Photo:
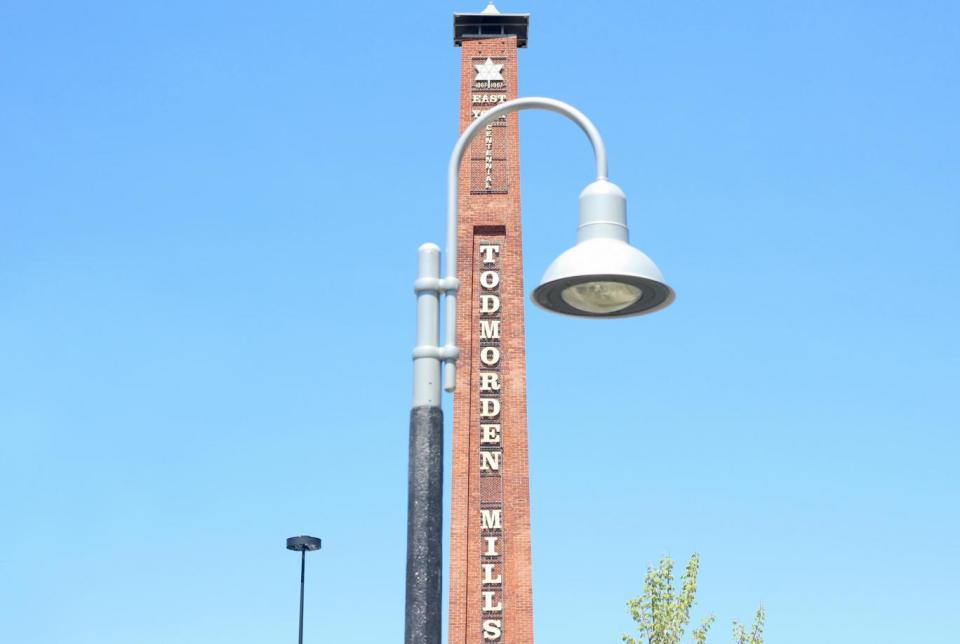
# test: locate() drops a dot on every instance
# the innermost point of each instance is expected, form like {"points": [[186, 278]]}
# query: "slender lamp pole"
{"points": [[302, 544]]}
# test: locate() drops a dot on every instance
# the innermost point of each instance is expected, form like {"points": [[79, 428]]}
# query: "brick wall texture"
{"points": [[490, 214]]}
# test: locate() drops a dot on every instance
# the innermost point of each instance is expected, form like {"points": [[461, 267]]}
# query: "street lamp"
{"points": [[302, 544], [601, 276]]}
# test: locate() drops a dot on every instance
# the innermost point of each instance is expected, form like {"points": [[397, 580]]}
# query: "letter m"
{"points": [[490, 519], [489, 329]]}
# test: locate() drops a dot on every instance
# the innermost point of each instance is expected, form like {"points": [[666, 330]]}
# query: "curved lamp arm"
{"points": [[449, 285]]}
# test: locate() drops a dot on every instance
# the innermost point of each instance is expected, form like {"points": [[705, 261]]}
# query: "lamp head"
{"points": [[603, 275], [303, 543]]}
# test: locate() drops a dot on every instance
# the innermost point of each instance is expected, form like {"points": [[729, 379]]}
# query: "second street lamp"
{"points": [[601, 276], [302, 544]]}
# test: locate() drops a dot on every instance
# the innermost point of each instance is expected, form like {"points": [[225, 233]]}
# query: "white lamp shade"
{"points": [[603, 277]]}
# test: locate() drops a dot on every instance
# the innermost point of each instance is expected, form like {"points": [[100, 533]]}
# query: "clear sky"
{"points": [[209, 215]]}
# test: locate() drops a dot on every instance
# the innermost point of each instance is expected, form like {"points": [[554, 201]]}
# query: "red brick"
{"points": [[488, 210]]}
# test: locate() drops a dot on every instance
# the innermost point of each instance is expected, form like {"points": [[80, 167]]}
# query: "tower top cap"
{"points": [[490, 23]]}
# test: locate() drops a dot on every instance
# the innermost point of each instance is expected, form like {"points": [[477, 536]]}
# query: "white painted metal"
{"points": [[453, 177], [426, 355], [603, 212]]}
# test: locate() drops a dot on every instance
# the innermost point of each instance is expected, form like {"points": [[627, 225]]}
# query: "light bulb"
{"points": [[601, 297]]}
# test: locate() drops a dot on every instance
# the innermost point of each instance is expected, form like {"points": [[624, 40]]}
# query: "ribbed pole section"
{"points": [[424, 523]]}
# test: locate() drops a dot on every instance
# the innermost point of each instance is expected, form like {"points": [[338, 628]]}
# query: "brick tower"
{"points": [[491, 596]]}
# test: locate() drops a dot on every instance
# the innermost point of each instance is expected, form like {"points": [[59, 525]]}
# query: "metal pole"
{"points": [[422, 624], [303, 567], [425, 491]]}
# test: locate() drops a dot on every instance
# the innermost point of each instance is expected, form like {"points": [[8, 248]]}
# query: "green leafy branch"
{"points": [[662, 612]]}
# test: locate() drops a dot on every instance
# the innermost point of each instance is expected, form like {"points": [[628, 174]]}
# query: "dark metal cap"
{"points": [[490, 23], [303, 542]]}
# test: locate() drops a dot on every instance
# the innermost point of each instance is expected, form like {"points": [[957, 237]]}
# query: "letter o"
{"points": [[489, 279], [490, 356]]}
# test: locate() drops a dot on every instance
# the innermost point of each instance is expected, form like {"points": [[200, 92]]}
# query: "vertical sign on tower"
{"points": [[488, 164], [491, 599]]}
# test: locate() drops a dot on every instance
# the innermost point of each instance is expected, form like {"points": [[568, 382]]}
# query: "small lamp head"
{"points": [[303, 542]]}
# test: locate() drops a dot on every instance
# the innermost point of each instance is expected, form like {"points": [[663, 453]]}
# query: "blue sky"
{"points": [[209, 215]]}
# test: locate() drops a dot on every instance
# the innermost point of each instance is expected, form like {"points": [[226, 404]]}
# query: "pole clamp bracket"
{"points": [[436, 285], [449, 353], [446, 353]]}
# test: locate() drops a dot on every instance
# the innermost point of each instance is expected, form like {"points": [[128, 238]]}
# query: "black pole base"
{"points": [[424, 527]]}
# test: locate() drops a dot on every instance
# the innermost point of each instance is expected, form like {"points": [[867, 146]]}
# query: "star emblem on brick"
{"points": [[489, 71]]}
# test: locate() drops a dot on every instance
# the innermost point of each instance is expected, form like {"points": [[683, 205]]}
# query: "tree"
{"points": [[740, 635], [662, 613]]}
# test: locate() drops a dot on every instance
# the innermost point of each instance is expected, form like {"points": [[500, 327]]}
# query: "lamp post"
{"points": [[302, 544], [601, 276]]}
